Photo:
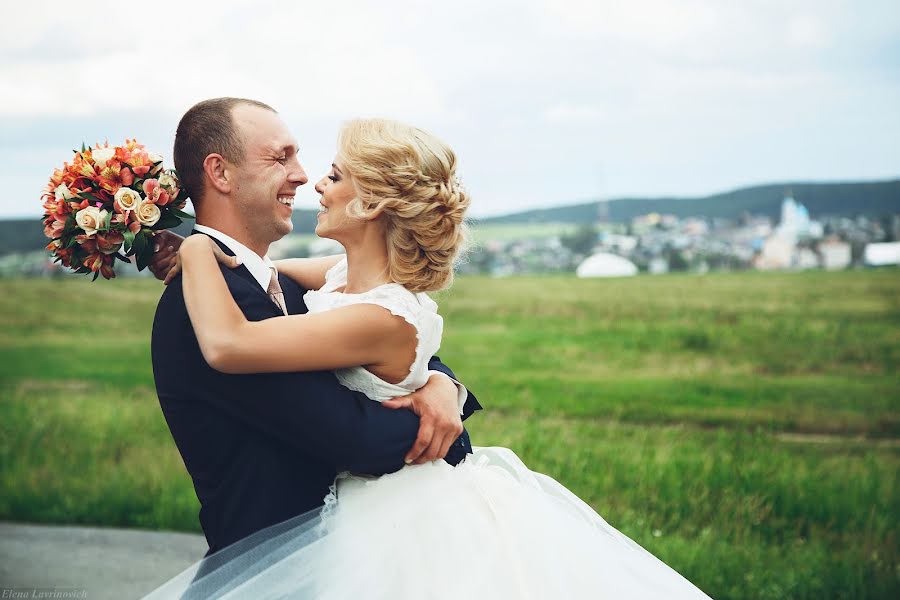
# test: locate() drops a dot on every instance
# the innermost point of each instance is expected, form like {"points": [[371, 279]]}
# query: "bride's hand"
{"points": [[199, 241]]}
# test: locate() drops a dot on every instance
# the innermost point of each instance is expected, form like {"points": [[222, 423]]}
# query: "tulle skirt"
{"points": [[489, 528]]}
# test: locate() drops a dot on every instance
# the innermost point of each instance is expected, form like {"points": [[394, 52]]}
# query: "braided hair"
{"points": [[407, 177]]}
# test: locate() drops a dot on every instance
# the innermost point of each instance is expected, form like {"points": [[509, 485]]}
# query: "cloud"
{"points": [[546, 101]]}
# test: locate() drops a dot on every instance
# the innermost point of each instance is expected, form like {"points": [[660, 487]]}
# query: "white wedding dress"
{"points": [[488, 529]]}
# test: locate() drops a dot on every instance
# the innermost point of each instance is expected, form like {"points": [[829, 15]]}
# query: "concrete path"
{"points": [[90, 562]]}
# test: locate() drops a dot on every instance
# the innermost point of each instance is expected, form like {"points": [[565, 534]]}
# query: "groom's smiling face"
{"points": [[268, 177]]}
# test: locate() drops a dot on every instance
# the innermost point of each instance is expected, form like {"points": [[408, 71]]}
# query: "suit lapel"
{"points": [[241, 270], [293, 295]]}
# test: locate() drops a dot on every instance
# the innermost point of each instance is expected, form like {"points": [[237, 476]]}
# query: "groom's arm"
{"points": [[311, 412], [441, 413], [315, 414]]}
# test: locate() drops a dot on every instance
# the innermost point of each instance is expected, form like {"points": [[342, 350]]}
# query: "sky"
{"points": [[546, 102]]}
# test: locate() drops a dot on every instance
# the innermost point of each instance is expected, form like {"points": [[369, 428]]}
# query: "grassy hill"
{"points": [[745, 428], [822, 199]]}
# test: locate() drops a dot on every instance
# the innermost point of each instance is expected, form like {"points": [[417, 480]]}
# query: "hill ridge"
{"points": [[840, 199], [847, 199]]}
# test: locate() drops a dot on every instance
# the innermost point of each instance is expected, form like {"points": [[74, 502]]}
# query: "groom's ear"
{"points": [[217, 173]]}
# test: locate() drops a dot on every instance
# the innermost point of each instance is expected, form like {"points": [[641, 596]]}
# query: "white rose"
{"points": [[63, 192], [91, 219], [102, 155], [167, 182], [147, 213], [127, 198]]}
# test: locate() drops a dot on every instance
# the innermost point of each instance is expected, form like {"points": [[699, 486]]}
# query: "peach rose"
{"points": [[91, 219], [128, 199], [63, 192], [147, 213]]}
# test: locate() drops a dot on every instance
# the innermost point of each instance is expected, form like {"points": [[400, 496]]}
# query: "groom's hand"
{"points": [[165, 251], [437, 404]]}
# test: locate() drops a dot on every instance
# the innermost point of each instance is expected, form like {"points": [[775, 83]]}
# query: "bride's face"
{"points": [[337, 191]]}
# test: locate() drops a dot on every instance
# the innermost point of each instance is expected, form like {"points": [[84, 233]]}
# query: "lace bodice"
{"points": [[418, 310]]}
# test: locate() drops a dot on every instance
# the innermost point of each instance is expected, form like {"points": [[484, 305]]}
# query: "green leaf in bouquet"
{"points": [[118, 256], [166, 221], [108, 220], [140, 243], [70, 225], [129, 241], [181, 214], [96, 275], [87, 196], [144, 258]]}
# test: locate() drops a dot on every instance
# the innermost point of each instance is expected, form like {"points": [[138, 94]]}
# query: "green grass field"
{"points": [[745, 428]]}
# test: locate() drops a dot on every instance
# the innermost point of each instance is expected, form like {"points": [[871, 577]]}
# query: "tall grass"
{"points": [[744, 428]]}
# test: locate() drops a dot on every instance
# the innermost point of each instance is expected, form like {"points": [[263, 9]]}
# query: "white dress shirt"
{"points": [[261, 269], [259, 266]]}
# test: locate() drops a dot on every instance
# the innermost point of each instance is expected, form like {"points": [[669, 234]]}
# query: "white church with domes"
{"points": [[795, 220], [780, 250]]}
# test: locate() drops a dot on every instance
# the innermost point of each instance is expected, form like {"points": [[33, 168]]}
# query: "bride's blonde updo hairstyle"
{"points": [[407, 177]]}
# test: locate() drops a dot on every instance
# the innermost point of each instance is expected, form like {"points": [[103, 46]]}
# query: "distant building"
{"points": [[604, 264], [653, 220], [780, 250], [805, 258], [623, 244], [884, 254], [795, 220], [835, 254], [695, 227], [777, 252]]}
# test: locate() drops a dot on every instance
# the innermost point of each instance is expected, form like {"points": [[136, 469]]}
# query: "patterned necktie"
{"points": [[275, 292]]}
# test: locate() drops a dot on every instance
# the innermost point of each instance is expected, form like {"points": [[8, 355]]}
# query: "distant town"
{"points": [[652, 243], [661, 243]]}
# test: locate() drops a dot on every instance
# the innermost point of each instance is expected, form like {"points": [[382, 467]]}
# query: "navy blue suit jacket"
{"points": [[262, 448]]}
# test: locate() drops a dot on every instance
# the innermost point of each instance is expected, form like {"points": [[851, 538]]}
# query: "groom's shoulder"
{"points": [[170, 310], [236, 285], [246, 294]]}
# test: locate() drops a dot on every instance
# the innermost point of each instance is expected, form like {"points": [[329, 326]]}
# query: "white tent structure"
{"points": [[879, 255], [604, 264]]}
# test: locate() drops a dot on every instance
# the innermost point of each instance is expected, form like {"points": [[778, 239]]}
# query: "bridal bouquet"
{"points": [[110, 199]]}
